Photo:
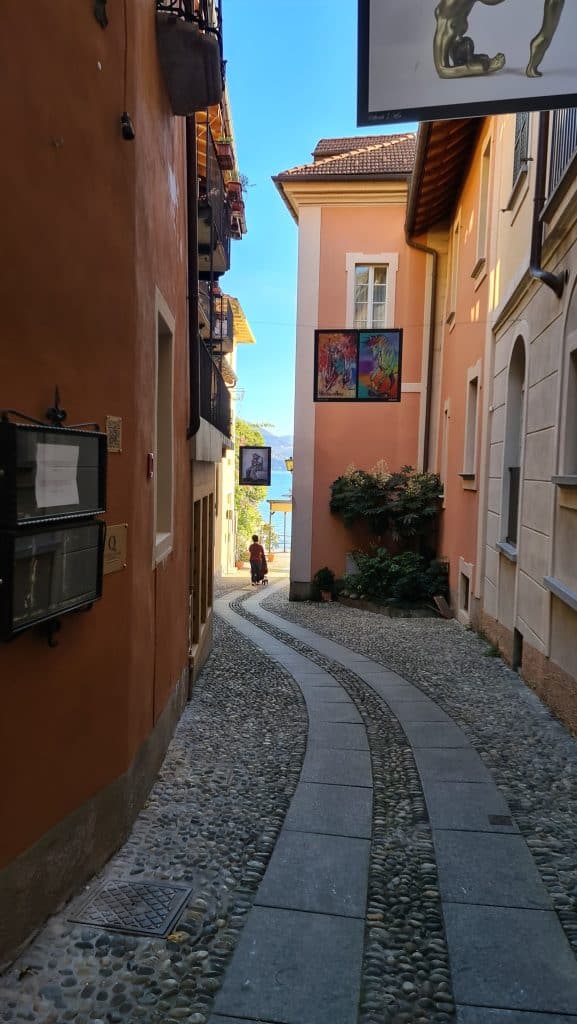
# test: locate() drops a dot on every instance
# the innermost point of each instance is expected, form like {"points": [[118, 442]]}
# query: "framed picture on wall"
{"points": [[379, 376], [358, 366], [254, 466], [336, 356]]}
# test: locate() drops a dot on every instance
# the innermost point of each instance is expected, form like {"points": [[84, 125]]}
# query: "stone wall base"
{"points": [[49, 873], [551, 683], [300, 591]]}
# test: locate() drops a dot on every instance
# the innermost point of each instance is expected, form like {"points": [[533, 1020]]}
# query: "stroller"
{"points": [[262, 574]]}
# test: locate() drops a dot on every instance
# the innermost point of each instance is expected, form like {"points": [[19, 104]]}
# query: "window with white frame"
{"points": [[521, 149], [471, 421], [164, 432], [371, 290], [483, 210], [570, 453], [370, 296], [454, 276]]}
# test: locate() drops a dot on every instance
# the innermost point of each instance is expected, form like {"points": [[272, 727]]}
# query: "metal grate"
{"points": [[137, 908]]}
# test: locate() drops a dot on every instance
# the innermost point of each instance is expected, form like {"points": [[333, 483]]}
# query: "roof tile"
{"points": [[369, 155]]}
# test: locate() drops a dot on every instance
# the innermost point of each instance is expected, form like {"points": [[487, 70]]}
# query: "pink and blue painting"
{"points": [[335, 366], [379, 377]]}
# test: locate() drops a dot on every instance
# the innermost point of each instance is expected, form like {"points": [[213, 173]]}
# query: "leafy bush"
{"points": [[396, 579], [405, 503]]}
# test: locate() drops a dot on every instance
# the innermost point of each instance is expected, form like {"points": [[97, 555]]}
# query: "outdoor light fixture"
{"points": [[289, 463], [52, 485]]}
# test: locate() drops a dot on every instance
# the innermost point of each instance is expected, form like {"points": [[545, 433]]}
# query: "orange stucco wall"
{"points": [[78, 296], [364, 433], [463, 348]]}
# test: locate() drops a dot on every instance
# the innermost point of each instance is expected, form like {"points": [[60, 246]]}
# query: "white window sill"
{"points": [[479, 267], [569, 480], [509, 550], [560, 590], [162, 546]]}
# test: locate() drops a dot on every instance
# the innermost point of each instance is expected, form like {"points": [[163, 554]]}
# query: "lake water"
{"points": [[280, 487]]}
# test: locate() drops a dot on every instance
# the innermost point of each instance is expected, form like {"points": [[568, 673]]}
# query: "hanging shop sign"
{"points": [[464, 58], [254, 465], [358, 366]]}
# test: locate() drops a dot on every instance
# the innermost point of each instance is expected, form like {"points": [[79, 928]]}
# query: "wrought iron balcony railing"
{"points": [[215, 400], [563, 144], [214, 216], [218, 316], [205, 13]]}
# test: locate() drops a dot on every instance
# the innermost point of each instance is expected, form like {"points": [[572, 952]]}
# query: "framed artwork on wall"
{"points": [[254, 466], [358, 366]]}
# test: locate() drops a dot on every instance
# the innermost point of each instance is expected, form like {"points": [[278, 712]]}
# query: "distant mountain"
{"points": [[282, 447]]}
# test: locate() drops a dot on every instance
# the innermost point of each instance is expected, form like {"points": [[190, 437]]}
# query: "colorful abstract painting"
{"points": [[379, 373], [336, 365]]}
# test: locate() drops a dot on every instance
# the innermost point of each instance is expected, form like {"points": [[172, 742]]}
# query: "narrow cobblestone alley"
{"points": [[376, 821]]}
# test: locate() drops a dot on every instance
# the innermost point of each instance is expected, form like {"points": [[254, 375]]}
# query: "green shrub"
{"points": [[396, 579], [405, 503]]}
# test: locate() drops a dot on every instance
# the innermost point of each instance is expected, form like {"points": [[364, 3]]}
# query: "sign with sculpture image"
{"points": [[424, 60], [358, 366]]}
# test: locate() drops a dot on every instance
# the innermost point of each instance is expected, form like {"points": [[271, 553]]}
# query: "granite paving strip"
{"points": [[299, 957], [505, 956]]}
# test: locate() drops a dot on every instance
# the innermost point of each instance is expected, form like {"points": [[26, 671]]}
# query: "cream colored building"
{"points": [[530, 573]]}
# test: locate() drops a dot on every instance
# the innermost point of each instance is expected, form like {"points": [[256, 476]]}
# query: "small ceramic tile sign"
{"points": [[115, 547], [114, 433]]}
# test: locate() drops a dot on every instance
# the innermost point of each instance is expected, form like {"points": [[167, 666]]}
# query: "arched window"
{"points": [[513, 443]]}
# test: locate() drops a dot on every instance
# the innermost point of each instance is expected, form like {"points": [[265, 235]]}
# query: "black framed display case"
{"points": [[48, 571], [49, 473]]}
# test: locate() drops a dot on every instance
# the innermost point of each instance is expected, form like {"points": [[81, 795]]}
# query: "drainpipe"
{"points": [[556, 282], [431, 342], [192, 233]]}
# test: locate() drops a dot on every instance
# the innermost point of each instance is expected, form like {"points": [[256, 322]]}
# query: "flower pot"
{"points": [[239, 563], [270, 557], [225, 156]]}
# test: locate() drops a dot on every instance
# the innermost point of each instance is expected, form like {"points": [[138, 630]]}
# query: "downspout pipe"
{"points": [[192, 234], [556, 282]]}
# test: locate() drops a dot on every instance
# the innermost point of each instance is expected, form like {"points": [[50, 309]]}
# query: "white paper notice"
{"points": [[56, 475]]}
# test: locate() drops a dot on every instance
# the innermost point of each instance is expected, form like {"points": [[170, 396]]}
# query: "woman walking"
{"points": [[257, 557]]}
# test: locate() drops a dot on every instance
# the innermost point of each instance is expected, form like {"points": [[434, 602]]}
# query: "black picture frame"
{"points": [[254, 465], [19, 448], [355, 386], [436, 112]]}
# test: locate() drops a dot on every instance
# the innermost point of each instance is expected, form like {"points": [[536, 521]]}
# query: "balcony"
{"points": [[215, 400], [189, 41], [563, 146], [213, 217], [216, 319]]}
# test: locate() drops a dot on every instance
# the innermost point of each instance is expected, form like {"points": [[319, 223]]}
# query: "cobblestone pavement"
{"points": [[214, 816], [532, 757], [211, 822]]}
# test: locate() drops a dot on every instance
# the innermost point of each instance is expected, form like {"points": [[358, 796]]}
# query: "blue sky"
{"points": [[291, 72]]}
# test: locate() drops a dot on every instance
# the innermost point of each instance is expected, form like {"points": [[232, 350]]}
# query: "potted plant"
{"points": [[324, 581], [225, 154]]}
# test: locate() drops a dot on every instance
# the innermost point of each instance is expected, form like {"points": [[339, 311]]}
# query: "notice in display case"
{"points": [[47, 473]]}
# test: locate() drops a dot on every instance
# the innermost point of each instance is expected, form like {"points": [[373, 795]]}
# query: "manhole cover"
{"points": [[500, 819], [138, 908]]}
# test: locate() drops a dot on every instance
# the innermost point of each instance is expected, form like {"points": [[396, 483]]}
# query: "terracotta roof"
{"points": [[331, 147], [372, 156]]}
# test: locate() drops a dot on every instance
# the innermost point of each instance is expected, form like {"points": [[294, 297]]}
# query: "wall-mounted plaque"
{"points": [[115, 548], [47, 473], [48, 571]]}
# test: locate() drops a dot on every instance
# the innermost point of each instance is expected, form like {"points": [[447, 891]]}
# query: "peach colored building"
{"points": [[450, 212], [350, 205]]}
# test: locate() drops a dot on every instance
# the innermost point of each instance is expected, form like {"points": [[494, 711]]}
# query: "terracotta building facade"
{"points": [[105, 242]]}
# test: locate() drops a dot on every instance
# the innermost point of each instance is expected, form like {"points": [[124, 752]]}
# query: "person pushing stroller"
{"points": [[258, 566]]}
